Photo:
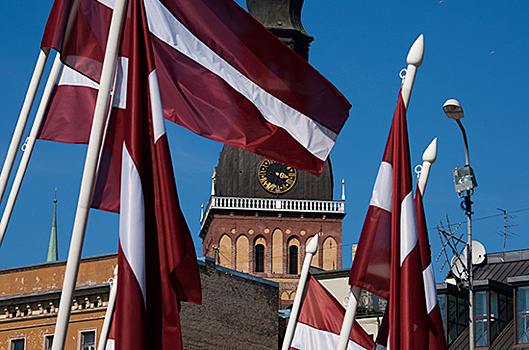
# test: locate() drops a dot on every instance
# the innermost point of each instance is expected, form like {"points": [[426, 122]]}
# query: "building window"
{"points": [[493, 313], [259, 258], [48, 342], [481, 318], [523, 314], [293, 260], [88, 340], [457, 317], [441, 300], [500, 313], [17, 344], [454, 313]]}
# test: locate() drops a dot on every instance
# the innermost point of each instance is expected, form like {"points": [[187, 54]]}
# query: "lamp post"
{"points": [[464, 182]]}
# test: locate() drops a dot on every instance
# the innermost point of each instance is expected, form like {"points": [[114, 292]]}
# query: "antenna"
{"points": [[458, 262], [506, 226], [449, 239]]}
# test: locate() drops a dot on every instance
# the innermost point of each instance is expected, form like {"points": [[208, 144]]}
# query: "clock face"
{"points": [[275, 177]]}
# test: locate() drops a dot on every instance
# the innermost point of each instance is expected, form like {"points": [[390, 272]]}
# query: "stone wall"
{"points": [[238, 311]]}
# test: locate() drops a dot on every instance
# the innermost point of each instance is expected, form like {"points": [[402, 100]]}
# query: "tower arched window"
{"points": [[293, 260], [259, 258]]}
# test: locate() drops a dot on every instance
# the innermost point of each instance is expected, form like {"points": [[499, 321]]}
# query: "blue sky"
{"points": [[476, 52]]}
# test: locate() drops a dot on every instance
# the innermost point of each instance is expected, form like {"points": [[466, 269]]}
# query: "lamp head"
{"points": [[453, 109]]}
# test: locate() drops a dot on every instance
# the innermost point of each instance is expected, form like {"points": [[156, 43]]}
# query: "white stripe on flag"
{"points": [[429, 288], [132, 219], [408, 227], [309, 338], [316, 138], [120, 92], [71, 77], [108, 3], [110, 344], [383, 189], [156, 106]]}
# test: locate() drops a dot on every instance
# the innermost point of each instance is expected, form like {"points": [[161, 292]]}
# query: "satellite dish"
{"points": [[478, 253], [458, 264]]}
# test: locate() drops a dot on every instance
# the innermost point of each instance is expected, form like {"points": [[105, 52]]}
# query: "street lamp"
{"points": [[464, 182]]}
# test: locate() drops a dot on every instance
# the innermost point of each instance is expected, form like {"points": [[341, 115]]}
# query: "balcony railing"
{"points": [[272, 204]]}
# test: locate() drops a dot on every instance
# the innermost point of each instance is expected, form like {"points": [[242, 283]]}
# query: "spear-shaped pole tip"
{"points": [[430, 154], [312, 247], [416, 53]]}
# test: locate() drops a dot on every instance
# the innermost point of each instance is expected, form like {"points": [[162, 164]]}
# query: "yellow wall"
{"points": [[277, 251], [242, 258], [225, 251]]}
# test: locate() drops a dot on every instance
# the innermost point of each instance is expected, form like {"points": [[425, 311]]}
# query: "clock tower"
{"points": [[261, 213]]}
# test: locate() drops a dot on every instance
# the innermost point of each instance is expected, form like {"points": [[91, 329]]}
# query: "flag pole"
{"points": [[312, 248], [414, 60], [349, 317], [428, 158], [89, 174], [22, 120], [22, 167], [105, 330]]}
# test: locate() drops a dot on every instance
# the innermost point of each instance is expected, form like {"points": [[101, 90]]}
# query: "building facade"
{"points": [[261, 215], [238, 311], [29, 301], [501, 299]]}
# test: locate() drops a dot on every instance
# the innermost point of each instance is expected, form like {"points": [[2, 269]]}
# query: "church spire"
{"points": [[53, 252]]}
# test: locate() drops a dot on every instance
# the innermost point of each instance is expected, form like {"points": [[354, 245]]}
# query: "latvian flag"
{"points": [[388, 258], [320, 321], [222, 75], [157, 265]]}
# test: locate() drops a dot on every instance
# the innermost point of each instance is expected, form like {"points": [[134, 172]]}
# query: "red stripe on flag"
{"points": [[129, 308], [372, 265], [180, 258], [412, 308], [72, 108]]}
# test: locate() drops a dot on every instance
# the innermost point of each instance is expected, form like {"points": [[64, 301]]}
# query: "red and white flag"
{"points": [[320, 321], [222, 75], [388, 258], [157, 265], [436, 337], [78, 29]]}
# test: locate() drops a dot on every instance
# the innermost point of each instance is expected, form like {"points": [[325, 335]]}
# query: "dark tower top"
{"points": [[237, 175], [283, 18]]}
